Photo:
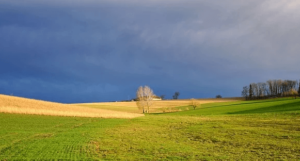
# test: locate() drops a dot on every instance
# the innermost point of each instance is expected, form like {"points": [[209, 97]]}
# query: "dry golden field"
{"points": [[158, 106], [11, 104]]}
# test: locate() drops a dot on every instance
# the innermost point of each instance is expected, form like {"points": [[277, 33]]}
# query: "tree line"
{"points": [[271, 88]]}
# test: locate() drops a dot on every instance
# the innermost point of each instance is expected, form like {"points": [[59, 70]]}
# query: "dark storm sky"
{"points": [[103, 50]]}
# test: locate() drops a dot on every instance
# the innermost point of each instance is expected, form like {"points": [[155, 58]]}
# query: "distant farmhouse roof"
{"points": [[154, 98]]}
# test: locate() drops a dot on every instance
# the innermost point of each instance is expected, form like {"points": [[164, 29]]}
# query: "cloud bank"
{"points": [[82, 51]]}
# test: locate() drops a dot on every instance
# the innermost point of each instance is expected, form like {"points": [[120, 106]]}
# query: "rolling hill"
{"points": [[12, 104]]}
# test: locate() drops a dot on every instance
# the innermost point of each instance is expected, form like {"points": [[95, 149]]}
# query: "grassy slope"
{"points": [[12, 104], [249, 130], [205, 138], [130, 109], [244, 107]]}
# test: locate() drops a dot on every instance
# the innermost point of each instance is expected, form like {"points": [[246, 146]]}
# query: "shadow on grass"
{"points": [[294, 106]]}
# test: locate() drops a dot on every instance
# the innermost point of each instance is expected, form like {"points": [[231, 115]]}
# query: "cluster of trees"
{"points": [[271, 88]]}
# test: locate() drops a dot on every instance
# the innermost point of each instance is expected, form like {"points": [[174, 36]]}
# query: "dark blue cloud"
{"points": [[72, 51]]}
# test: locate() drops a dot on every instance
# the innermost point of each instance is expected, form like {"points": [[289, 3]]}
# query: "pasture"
{"points": [[27, 137], [243, 130]]}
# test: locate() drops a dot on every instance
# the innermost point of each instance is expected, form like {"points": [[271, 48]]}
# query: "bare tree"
{"points": [[245, 92], [194, 103], [279, 88], [276, 87], [144, 97], [265, 89], [255, 89], [149, 97], [299, 88], [162, 97], [175, 96], [291, 84], [284, 88], [260, 89], [140, 101], [294, 93], [271, 87], [250, 91]]}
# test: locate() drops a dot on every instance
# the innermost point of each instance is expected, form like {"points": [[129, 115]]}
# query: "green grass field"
{"points": [[243, 107], [244, 130]]}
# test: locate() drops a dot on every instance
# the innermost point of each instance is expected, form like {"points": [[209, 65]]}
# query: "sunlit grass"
{"points": [[243, 107], [203, 138], [157, 107], [245, 130], [10, 104], [27, 137]]}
